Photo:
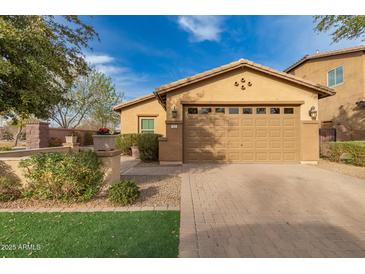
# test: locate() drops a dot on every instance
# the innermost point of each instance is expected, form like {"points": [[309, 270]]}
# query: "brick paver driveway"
{"points": [[253, 210]]}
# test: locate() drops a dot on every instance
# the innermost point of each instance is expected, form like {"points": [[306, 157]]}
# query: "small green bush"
{"points": [[9, 189], [124, 193], [7, 135], [353, 150], [88, 139], [54, 142], [78, 135], [124, 142], [5, 148], [66, 176], [148, 146]]}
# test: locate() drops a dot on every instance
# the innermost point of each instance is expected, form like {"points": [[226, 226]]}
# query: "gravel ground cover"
{"points": [[156, 191], [350, 170]]}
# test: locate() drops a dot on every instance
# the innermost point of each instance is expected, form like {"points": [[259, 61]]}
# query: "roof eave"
{"points": [[119, 107], [325, 91]]}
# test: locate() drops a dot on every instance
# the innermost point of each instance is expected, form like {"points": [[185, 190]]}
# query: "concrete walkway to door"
{"points": [[265, 210]]}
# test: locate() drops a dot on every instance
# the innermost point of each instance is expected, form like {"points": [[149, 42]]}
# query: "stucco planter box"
{"points": [[71, 139], [104, 142]]}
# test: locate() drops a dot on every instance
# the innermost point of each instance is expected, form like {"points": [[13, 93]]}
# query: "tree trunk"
{"points": [[18, 134]]}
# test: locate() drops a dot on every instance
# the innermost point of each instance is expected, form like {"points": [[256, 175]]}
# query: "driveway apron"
{"points": [[266, 210]]}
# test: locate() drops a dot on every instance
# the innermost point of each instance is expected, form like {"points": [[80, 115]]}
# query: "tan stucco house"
{"points": [[344, 71], [239, 112]]}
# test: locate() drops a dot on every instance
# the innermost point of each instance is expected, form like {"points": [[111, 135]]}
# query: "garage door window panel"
{"points": [[220, 110], [233, 111], [192, 110], [205, 110], [260, 110], [247, 110], [274, 110], [288, 110]]}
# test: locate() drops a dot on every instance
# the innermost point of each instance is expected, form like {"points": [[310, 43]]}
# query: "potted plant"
{"points": [[104, 140], [71, 139]]}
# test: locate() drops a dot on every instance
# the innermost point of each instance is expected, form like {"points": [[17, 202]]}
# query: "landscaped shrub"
{"points": [[54, 142], [148, 146], [9, 189], [352, 152], [5, 148], [7, 135], [66, 176], [88, 139], [124, 192], [124, 142], [78, 135]]}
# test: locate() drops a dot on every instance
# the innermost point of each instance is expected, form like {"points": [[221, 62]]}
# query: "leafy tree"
{"points": [[40, 56], [107, 97], [91, 97], [343, 26]]}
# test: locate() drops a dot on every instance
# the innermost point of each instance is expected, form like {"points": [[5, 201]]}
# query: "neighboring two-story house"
{"points": [[344, 71]]}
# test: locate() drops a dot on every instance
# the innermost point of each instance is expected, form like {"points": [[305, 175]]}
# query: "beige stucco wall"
{"points": [[340, 108], [264, 88], [130, 116]]}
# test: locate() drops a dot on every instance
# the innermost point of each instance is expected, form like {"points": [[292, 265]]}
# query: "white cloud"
{"points": [[109, 69], [103, 63], [94, 59], [202, 28], [126, 80]]}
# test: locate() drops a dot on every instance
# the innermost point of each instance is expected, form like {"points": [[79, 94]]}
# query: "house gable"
{"points": [[161, 92], [242, 85]]}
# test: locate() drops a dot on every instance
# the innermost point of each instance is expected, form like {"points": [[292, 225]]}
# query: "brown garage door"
{"points": [[241, 133]]}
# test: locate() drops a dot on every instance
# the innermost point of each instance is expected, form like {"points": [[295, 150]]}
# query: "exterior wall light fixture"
{"points": [[174, 113], [313, 113]]}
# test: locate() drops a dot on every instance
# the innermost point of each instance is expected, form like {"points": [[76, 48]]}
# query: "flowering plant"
{"points": [[103, 131]]}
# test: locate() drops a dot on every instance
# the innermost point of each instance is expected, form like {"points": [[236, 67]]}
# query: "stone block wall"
{"points": [[38, 134]]}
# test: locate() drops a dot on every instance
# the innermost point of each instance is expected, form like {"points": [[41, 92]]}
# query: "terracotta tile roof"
{"points": [[323, 90], [325, 54], [134, 101]]}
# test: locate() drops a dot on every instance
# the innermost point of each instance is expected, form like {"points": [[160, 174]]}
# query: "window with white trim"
{"points": [[147, 125], [335, 77]]}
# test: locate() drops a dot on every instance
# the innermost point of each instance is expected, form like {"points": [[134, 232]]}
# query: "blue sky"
{"points": [[144, 52]]}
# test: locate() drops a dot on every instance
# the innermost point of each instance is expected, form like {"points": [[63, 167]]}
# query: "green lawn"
{"points": [[98, 234]]}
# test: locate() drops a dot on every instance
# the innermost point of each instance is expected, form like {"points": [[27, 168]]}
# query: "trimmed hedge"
{"points": [[9, 189], [66, 176], [352, 152], [124, 193], [88, 139], [147, 144], [55, 142], [5, 148], [124, 142]]}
